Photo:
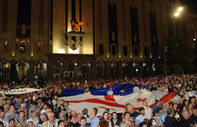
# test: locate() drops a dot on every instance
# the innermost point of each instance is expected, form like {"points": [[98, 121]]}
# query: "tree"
{"points": [[180, 55]]}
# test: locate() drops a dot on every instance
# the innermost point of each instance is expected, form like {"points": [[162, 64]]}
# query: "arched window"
{"points": [[145, 51], [101, 49], [125, 50], [113, 50], [136, 51]]}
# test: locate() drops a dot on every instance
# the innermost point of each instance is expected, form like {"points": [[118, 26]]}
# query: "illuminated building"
{"points": [[121, 37]]}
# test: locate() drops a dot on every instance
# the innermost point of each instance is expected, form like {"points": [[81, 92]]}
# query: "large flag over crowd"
{"points": [[123, 94]]}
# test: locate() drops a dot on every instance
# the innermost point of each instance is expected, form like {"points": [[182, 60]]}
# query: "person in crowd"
{"points": [[161, 117], [114, 121], [152, 123], [12, 114], [106, 117], [33, 118], [3, 119], [61, 123], [66, 105], [184, 122], [45, 106], [193, 117], [30, 124], [21, 121], [127, 122], [12, 123], [83, 122], [170, 121], [55, 102], [43, 118], [94, 120], [19, 102], [140, 118], [156, 106], [35, 108], [51, 122], [148, 110], [6, 109], [129, 108], [85, 114], [143, 124], [110, 92], [75, 118], [103, 123]]}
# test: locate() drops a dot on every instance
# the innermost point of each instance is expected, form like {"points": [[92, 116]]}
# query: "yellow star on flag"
{"points": [[122, 91]]}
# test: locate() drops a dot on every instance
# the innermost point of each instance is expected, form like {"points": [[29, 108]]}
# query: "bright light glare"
{"points": [[180, 9], [176, 14]]}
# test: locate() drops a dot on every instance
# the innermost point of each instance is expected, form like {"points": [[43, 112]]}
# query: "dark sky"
{"points": [[191, 5]]}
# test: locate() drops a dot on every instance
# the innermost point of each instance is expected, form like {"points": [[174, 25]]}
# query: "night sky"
{"points": [[191, 5]]}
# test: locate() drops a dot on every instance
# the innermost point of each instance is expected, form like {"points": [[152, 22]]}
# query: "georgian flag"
{"points": [[117, 103]]}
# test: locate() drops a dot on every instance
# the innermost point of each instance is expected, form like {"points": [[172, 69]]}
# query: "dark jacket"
{"points": [[170, 122], [184, 123]]}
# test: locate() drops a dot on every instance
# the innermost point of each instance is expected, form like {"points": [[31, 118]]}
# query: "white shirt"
{"points": [[5, 122], [148, 112], [35, 121]]}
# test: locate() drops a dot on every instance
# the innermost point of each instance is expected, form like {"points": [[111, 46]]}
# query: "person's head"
{"points": [[152, 122], [21, 114], [103, 123], [106, 115], [51, 116], [185, 114], [43, 118], [9, 101], [12, 112], [142, 111], [166, 106], [23, 106], [145, 103], [12, 107], [129, 107], [194, 111], [60, 123], [181, 100], [94, 111], [127, 116], [185, 102], [45, 106], [11, 123], [2, 114], [48, 110], [106, 110], [160, 109], [83, 121], [73, 113], [35, 104], [114, 115], [61, 101], [55, 97], [30, 124], [85, 111], [66, 104], [110, 89], [143, 124], [6, 107], [170, 112], [32, 114], [20, 100]]}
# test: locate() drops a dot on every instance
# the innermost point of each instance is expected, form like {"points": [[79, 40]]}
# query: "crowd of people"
{"points": [[45, 109]]}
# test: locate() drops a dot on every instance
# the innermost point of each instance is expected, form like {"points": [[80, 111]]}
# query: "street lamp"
{"points": [[178, 11]]}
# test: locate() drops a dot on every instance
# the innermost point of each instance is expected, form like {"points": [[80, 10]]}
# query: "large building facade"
{"points": [[118, 38]]}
